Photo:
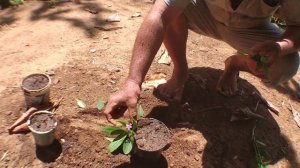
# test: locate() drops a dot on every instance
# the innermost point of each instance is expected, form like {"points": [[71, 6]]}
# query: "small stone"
{"points": [[112, 82], [55, 81], [50, 73], [197, 158], [157, 127], [118, 70], [62, 140], [140, 143], [92, 50], [171, 165]]}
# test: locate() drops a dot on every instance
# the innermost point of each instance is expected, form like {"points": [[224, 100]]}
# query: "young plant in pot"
{"points": [[146, 138]]}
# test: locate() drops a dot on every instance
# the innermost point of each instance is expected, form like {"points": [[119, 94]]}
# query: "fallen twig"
{"points": [[268, 104], [257, 104], [55, 106], [4, 155], [247, 112]]}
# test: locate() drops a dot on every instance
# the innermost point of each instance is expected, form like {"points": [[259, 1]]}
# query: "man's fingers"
{"points": [[112, 121], [132, 112], [107, 112]]}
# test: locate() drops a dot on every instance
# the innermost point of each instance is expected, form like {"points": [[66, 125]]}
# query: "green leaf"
{"points": [[109, 129], [110, 139], [263, 59], [140, 111], [123, 123], [134, 125], [100, 104], [256, 58], [119, 132], [127, 146], [115, 144], [266, 70], [81, 103], [16, 2]]}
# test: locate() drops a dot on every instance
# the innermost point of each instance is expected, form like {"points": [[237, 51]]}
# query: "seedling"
{"points": [[261, 154], [261, 62], [124, 134]]}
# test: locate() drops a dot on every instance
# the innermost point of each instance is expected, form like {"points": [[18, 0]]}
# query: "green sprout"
{"points": [[16, 2], [124, 134], [261, 154], [261, 63]]}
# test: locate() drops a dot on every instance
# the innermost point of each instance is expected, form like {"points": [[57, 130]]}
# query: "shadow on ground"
{"points": [[228, 143], [49, 153], [46, 11], [139, 162], [291, 88]]}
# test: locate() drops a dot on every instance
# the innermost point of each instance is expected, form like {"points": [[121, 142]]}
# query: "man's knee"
{"points": [[284, 68]]}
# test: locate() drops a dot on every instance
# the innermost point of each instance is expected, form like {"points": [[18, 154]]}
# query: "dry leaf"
{"points": [[272, 107], [81, 103], [296, 115], [153, 83], [164, 59], [114, 18], [136, 14]]}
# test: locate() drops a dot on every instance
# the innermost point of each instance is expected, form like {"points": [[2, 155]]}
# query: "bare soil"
{"points": [[88, 59], [152, 135], [35, 82], [42, 122]]}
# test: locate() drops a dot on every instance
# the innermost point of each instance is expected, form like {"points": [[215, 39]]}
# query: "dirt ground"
{"points": [[88, 58]]}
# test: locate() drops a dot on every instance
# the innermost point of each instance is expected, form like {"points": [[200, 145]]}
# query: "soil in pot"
{"points": [[43, 122], [35, 82], [152, 135]]}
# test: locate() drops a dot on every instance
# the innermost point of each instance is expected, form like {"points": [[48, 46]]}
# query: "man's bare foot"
{"points": [[227, 84], [172, 90]]}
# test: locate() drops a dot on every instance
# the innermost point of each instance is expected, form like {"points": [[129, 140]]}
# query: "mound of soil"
{"points": [[35, 82], [42, 122], [152, 135]]}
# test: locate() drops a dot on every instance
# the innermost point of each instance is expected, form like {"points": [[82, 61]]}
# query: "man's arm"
{"points": [[147, 43], [290, 41], [149, 39]]}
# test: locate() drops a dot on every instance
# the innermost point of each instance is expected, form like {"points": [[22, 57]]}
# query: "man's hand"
{"points": [[125, 99], [269, 49]]}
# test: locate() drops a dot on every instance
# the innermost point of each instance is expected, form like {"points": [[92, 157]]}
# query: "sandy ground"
{"points": [[89, 58]]}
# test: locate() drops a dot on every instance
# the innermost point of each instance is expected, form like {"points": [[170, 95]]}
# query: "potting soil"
{"points": [[152, 135], [35, 82], [42, 122]]}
